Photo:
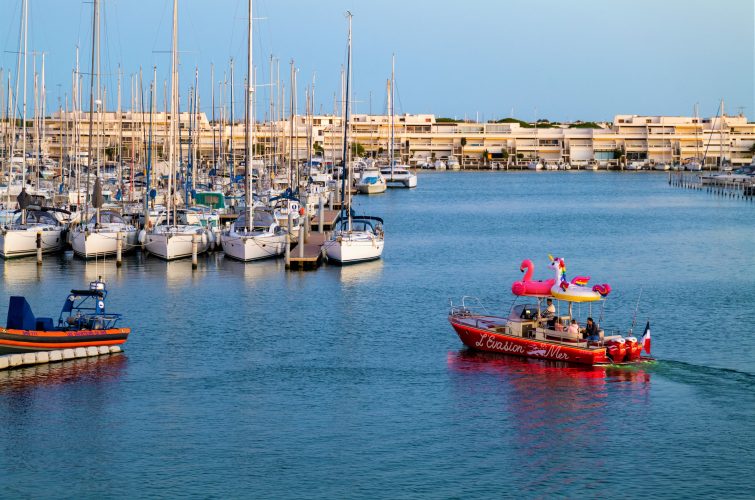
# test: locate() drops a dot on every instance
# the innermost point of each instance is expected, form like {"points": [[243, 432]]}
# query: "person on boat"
{"points": [[573, 328], [550, 309], [592, 332], [555, 324]]}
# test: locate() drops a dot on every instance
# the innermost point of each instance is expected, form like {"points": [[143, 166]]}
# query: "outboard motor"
{"points": [[633, 348], [616, 349]]}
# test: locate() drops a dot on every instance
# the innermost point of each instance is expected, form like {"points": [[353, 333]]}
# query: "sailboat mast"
{"points": [[23, 125], [173, 110], [212, 105], [249, 128], [291, 131], [393, 109], [231, 151], [346, 129], [95, 22]]}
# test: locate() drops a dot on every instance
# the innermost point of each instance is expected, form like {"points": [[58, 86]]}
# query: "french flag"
{"points": [[646, 338]]}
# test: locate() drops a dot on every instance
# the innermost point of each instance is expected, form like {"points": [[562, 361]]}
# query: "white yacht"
{"points": [[99, 239], [372, 181], [535, 165], [356, 239], [19, 238], [453, 163], [399, 176], [263, 240], [170, 240], [693, 166]]}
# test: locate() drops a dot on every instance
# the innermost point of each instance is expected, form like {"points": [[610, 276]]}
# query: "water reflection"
{"points": [[93, 370], [361, 273], [251, 271], [21, 271], [554, 414]]}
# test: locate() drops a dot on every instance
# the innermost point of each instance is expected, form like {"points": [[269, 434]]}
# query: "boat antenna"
{"points": [[636, 308]]}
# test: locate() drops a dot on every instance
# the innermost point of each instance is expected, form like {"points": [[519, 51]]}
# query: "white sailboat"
{"points": [[355, 239], [20, 237], [172, 237], [99, 236], [254, 235]]}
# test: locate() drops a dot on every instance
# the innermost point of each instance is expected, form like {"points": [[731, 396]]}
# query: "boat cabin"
{"points": [[363, 223]]}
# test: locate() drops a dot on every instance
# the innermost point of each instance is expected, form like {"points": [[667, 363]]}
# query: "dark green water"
{"points": [[249, 381]]}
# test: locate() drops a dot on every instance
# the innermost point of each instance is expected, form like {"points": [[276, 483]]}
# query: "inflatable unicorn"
{"points": [[575, 290], [529, 287]]}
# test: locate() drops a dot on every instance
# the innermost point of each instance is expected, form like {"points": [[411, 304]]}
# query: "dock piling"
{"points": [[194, 249], [39, 248], [300, 244], [119, 249], [320, 215]]}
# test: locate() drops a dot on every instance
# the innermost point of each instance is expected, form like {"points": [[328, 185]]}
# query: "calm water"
{"points": [[245, 380]]}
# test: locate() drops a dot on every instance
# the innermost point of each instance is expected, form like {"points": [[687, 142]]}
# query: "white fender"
{"points": [[142, 236]]}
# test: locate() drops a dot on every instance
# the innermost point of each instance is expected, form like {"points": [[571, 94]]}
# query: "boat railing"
{"points": [[101, 321], [469, 306]]}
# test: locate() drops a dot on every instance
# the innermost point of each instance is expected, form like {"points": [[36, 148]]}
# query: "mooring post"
{"points": [[119, 249], [320, 215], [39, 248], [302, 233], [194, 249], [288, 239]]}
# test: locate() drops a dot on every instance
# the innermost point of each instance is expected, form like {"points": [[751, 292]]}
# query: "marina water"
{"points": [[247, 380]]}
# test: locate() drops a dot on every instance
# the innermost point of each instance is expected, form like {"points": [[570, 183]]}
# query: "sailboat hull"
{"points": [[249, 248], [175, 245], [353, 248], [89, 245], [23, 242]]}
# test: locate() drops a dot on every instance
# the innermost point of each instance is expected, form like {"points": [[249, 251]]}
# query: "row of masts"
{"points": [[140, 149]]}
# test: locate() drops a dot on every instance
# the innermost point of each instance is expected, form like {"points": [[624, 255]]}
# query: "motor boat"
{"points": [[399, 176], [371, 181], [531, 330], [83, 322]]}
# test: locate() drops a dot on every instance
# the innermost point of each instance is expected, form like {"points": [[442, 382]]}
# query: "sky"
{"points": [[478, 59]]}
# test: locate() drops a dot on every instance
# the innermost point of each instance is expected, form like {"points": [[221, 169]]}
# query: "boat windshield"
{"points": [[37, 217], [524, 311], [262, 220], [359, 224], [108, 218], [168, 220]]}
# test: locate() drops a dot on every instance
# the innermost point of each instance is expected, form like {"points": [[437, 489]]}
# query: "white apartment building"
{"points": [[667, 139]]}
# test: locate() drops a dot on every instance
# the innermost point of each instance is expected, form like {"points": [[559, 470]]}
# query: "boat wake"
{"points": [[711, 377]]}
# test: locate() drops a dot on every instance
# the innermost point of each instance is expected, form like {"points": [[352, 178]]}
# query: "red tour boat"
{"points": [[532, 331], [82, 323]]}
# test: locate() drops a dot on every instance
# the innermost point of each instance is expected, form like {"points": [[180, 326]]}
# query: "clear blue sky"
{"points": [[580, 59]]}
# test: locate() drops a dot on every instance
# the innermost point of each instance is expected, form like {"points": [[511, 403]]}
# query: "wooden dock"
{"points": [[312, 255], [328, 219]]}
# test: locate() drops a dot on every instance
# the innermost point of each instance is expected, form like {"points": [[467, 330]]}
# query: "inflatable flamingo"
{"points": [[576, 290], [529, 287]]}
